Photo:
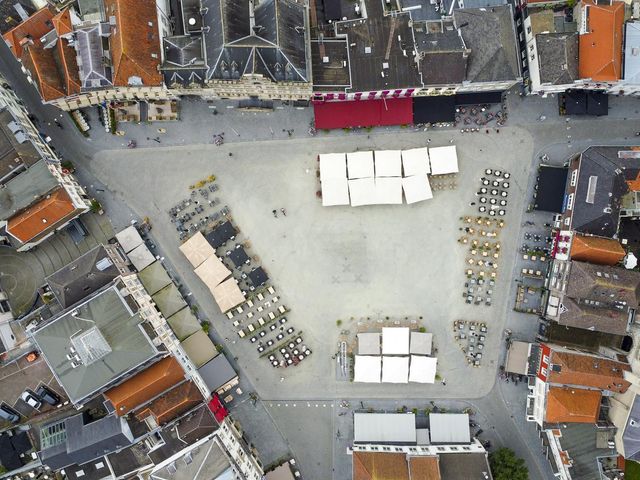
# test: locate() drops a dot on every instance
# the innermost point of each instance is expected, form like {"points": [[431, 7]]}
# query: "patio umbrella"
{"points": [[630, 261]]}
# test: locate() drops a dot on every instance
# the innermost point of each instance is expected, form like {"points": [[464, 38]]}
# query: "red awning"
{"points": [[363, 113], [218, 410]]}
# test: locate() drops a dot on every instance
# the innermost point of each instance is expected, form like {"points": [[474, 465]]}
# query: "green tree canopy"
{"points": [[506, 466]]}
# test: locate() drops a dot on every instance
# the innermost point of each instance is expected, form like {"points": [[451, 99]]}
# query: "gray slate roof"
{"points": [[85, 440], [604, 284], [596, 318], [557, 57], [443, 55], [602, 215], [109, 314], [83, 276], [490, 35], [25, 189], [579, 439], [94, 72], [470, 466], [632, 52], [217, 372]]}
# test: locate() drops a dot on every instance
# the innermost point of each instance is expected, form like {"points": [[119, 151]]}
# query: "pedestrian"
{"points": [[275, 213], [472, 204], [284, 212], [428, 140]]}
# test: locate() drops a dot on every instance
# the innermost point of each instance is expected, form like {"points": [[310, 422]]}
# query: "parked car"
{"points": [[9, 414], [47, 395], [30, 399]]}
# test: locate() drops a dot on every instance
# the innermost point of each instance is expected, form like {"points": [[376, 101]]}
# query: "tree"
{"points": [[506, 466]]}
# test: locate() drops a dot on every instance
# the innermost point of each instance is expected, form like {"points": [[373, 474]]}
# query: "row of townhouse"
{"points": [[583, 372], [114, 331], [38, 197]]}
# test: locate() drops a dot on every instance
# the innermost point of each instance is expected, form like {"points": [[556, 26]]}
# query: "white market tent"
{"points": [[335, 191], [228, 295], [423, 369], [443, 160], [197, 249], [212, 272], [362, 192], [388, 190], [415, 161], [129, 238], [360, 165], [333, 166], [421, 343], [388, 163], [369, 343], [389, 428], [367, 369], [417, 188], [141, 257], [395, 369], [449, 428], [395, 340]]}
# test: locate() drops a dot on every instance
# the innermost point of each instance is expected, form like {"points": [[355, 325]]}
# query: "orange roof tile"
{"points": [[569, 368], [380, 466], [71, 73], [42, 217], [600, 54], [145, 385], [34, 27], [394, 466], [603, 251], [135, 44], [175, 402], [62, 22], [574, 405], [54, 69]]}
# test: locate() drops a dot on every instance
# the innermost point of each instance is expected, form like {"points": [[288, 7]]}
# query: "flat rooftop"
{"points": [[104, 339], [25, 189]]}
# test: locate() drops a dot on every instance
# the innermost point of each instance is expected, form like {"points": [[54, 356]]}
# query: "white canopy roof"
{"points": [[212, 272], [395, 341], [197, 249], [367, 369], [449, 428], [335, 191], [393, 428], [417, 188], [369, 343], [421, 343], [423, 369], [443, 160], [333, 166], [389, 190], [395, 369], [129, 238], [228, 295], [360, 164], [362, 192], [388, 163], [415, 161], [141, 257]]}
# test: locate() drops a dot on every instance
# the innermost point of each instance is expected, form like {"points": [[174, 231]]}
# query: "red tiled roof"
{"points": [[600, 53], [62, 22], [44, 216], [569, 368], [145, 385], [175, 402], [603, 251], [575, 405], [34, 27], [135, 42], [54, 69]]}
